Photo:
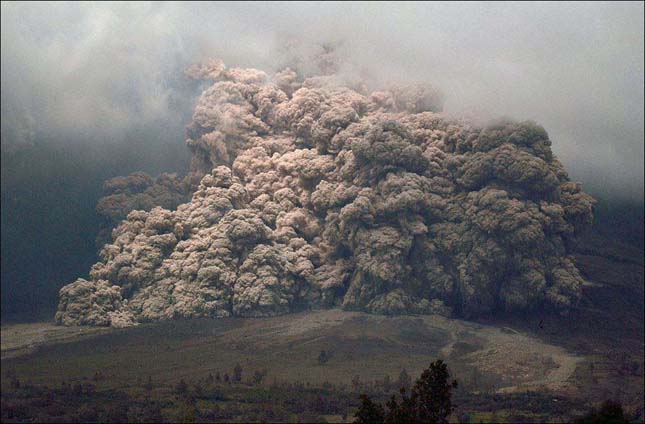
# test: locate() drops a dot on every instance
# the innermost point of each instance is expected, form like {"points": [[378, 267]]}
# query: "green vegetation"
{"points": [[430, 401], [203, 400], [209, 400]]}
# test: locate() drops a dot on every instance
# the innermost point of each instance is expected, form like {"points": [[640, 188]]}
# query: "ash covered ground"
{"points": [[311, 191]]}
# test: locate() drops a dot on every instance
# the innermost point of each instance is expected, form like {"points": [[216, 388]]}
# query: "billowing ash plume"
{"points": [[316, 195], [138, 191]]}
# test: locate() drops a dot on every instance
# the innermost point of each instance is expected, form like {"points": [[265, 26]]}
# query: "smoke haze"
{"points": [[94, 72]]}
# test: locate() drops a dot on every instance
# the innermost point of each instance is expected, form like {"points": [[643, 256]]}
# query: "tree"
{"points": [[87, 413], [611, 412], [324, 357], [258, 376], [116, 413], [399, 413], [181, 387], [369, 412], [210, 379], [77, 390], [198, 389], [432, 394], [185, 414], [404, 379], [387, 384], [237, 373], [89, 389], [465, 418], [430, 400], [65, 387], [15, 383], [356, 382]]}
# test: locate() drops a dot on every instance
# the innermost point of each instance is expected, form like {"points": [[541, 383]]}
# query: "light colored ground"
{"points": [[21, 339]]}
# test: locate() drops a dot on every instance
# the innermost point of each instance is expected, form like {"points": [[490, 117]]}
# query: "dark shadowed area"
{"points": [[49, 219]]}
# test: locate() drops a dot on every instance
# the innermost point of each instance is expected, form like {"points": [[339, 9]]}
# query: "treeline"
{"points": [[253, 396], [430, 401], [235, 396]]}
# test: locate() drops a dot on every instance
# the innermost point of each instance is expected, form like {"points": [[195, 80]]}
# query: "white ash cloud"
{"points": [[316, 195], [91, 71]]}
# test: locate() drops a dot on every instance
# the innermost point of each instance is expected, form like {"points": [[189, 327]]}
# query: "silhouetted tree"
{"points": [[356, 382], [146, 414], [77, 390], [430, 400], [214, 413], [65, 387], [89, 389], [369, 412], [237, 373], [198, 389], [87, 413], [181, 387], [258, 376], [387, 384], [432, 394], [404, 379], [465, 418], [323, 357], [402, 412], [115, 413], [611, 412], [185, 414]]}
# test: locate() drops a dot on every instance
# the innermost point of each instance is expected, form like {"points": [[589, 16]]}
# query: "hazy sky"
{"points": [[91, 72]]}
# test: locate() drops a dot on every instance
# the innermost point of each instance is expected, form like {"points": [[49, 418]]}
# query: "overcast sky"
{"points": [[91, 72]]}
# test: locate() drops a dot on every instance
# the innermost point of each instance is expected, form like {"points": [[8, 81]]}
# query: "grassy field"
{"points": [[508, 367], [367, 346], [494, 365]]}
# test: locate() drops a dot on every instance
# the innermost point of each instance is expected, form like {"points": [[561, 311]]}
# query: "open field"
{"points": [[506, 365], [288, 346], [489, 362]]}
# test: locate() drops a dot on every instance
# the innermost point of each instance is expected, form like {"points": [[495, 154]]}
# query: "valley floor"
{"points": [[508, 367]]}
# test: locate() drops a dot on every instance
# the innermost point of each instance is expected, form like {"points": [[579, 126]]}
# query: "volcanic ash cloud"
{"points": [[312, 194]]}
